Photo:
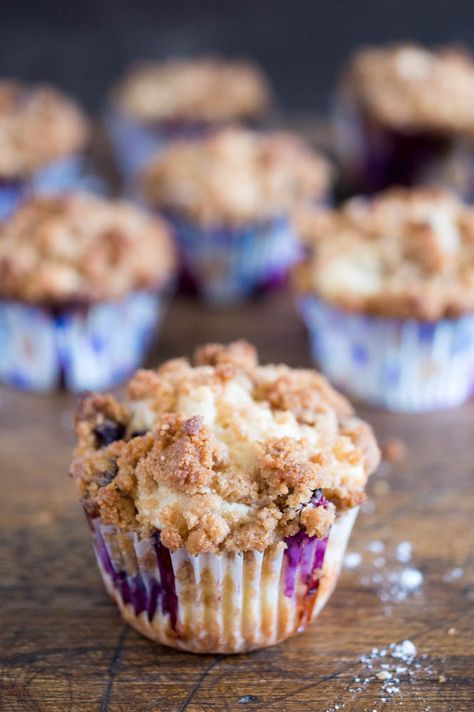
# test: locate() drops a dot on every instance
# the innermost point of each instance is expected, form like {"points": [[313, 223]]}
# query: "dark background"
{"points": [[84, 45]]}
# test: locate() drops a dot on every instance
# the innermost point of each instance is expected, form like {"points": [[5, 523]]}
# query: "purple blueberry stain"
{"points": [[138, 433], [132, 588], [107, 476], [108, 432], [306, 553], [168, 597]]}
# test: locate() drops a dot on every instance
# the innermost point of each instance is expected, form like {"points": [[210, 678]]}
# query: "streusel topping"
{"points": [[202, 89], [411, 88], [225, 455], [236, 176], [38, 125], [405, 253], [81, 248]]}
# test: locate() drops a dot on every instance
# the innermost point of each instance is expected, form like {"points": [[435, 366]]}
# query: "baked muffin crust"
{"points": [[225, 455], [405, 253], [409, 87], [38, 125], [81, 248], [236, 176], [203, 89]]}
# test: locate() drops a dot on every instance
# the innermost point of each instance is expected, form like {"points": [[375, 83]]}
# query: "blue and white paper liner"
{"points": [[135, 142], [91, 347], [229, 264], [220, 603], [57, 177], [401, 365]]}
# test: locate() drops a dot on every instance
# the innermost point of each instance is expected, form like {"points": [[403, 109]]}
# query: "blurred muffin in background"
{"points": [[42, 133], [229, 197], [82, 285], [387, 293], [404, 115], [157, 102], [221, 496]]}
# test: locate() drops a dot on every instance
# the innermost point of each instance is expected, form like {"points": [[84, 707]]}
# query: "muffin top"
{"points": [[38, 125], [202, 89], [409, 88], [235, 176], [80, 248], [224, 455], [404, 253]]}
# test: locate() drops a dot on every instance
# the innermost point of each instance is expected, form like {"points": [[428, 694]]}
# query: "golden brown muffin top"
{"points": [[410, 87], [405, 253], [79, 247], [222, 455], [236, 176], [208, 89], [38, 125]]}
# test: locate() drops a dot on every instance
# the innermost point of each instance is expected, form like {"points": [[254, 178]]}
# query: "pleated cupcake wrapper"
{"points": [[57, 177], [229, 264], [375, 157], [402, 365], [134, 143], [89, 347], [220, 603]]}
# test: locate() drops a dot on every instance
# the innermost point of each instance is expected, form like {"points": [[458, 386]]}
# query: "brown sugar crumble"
{"points": [[200, 89], [410, 87], [79, 247], [38, 125], [222, 455], [236, 176], [405, 253]]}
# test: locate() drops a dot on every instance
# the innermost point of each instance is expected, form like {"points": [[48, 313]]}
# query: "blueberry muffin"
{"points": [[387, 292], [230, 197], [158, 102], [221, 496], [82, 285], [42, 133], [405, 115]]}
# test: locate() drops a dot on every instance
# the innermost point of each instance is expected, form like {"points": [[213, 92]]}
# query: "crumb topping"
{"points": [[410, 87], [202, 89], [81, 248], [404, 253], [236, 176], [225, 455], [38, 125]]}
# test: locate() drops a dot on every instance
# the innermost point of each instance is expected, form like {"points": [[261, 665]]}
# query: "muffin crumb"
{"points": [[393, 450]]}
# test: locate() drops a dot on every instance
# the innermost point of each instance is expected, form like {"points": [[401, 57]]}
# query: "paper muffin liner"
{"points": [[57, 177], [135, 142], [228, 264], [79, 347], [374, 157], [402, 365], [226, 603]]}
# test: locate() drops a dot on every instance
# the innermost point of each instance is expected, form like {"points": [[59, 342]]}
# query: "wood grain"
{"points": [[64, 647]]}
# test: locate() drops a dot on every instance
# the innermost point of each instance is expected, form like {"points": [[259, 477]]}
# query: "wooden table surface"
{"points": [[64, 647]]}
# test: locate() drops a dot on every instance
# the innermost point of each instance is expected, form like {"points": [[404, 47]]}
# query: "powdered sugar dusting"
{"points": [[382, 568], [352, 560], [454, 574], [403, 552], [390, 670]]}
